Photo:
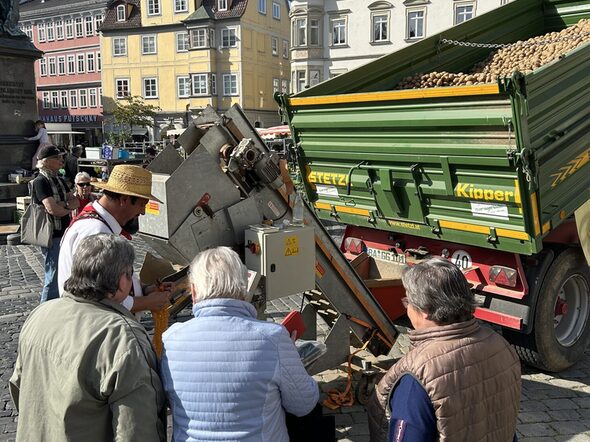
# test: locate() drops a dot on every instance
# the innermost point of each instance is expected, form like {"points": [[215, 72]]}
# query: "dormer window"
{"points": [[121, 13], [222, 5]]}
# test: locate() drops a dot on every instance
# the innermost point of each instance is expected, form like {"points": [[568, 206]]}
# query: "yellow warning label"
{"points": [[291, 246], [152, 207]]}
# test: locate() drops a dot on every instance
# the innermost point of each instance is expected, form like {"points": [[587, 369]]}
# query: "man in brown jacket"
{"points": [[459, 381]]}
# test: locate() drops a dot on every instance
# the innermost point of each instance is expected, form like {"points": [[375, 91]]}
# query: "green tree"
{"points": [[133, 111]]}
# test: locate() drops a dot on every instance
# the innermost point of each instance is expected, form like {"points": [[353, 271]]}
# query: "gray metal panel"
{"points": [[167, 161], [165, 249], [199, 174], [155, 220], [214, 140], [213, 232], [242, 215]]}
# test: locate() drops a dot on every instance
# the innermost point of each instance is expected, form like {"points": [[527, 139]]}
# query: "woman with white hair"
{"points": [[227, 375], [83, 191]]}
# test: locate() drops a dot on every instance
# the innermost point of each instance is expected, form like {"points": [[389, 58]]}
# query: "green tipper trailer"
{"points": [[454, 170]]}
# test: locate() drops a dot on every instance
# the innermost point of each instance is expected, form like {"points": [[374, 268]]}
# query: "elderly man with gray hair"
{"points": [[459, 381], [85, 368], [227, 375]]}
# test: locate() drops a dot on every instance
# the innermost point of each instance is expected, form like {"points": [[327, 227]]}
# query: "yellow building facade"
{"points": [[186, 54]]}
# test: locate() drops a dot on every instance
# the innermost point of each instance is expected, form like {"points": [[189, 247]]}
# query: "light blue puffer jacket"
{"points": [[229, 377]]}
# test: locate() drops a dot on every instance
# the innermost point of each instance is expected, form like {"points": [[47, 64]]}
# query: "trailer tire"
{"points": [[558, 341]]}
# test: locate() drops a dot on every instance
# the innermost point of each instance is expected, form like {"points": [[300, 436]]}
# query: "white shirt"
{"points": [[76, 233]]}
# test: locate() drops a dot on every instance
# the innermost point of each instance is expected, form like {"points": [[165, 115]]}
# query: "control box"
{"points": [[285, 258]]}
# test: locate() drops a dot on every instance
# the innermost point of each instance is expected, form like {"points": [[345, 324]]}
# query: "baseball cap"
{"points": [[49, 151]]}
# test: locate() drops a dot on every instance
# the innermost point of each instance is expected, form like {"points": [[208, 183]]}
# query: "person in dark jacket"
{"points": [[459, 381], [52, 192]]}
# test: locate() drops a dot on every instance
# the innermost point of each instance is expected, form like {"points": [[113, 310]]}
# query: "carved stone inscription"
{"points": [[15, 92]]}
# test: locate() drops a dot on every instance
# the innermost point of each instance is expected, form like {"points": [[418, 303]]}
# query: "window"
{"points": [[90, 62], [79, 27], [50, 32], [74, 98], [97, 23], [122, 86], [338, 31], [228, 38], [41, 34], [286, 49], [463, 13], [300, 32], [213, 84], [222, 5], [200, 84], [89, 26], [98, 62], [46, 100], [150, 87], [183, 86], [80, 58], [262, 6], [276, 11], [314, 32], [71, 64], [276, 84], [93, 102], [274, 44], [43, 67], [148, 44], [284, 86], [83, 98], [99, 97], [153, 7], [230, 84], [61, 65], [59, 29], [63, 99], [69, 28], [299, 79], [380, 28], [28, 30], [180, 5], [119, 46], [314, 77], [504, 2], [54, 99], [415, 26], [199, 38], [52, 66], [182, 41], [121, 15]]}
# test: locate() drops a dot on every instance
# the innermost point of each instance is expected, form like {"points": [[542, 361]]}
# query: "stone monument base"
{"points": [[18, 103]]}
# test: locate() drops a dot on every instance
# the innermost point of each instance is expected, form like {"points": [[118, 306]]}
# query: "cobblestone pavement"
{"points": [[553, 407]]}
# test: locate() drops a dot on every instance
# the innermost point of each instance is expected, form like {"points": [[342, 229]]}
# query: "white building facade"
{"points": [[330, 37]]}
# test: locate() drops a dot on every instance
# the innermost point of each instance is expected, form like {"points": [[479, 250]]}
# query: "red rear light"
{"points": [[354, 245], [501, 275]]}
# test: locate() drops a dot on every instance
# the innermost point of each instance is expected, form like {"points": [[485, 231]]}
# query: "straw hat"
{"points": [[129, 180]]}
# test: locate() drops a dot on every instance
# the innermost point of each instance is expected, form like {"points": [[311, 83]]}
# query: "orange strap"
{"points": [[337, 399]]}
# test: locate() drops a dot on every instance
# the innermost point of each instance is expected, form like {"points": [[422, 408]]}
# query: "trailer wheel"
{"points": [[561, 331]]}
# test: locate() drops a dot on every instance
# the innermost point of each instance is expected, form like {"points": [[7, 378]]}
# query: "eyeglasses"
{"points": [[405, 302], [83, 184]]}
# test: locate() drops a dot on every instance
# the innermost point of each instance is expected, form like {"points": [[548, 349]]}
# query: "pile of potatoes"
{"points": [[523, 56]]}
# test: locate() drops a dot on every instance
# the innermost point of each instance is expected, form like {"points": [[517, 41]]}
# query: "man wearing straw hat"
{"points": [[124, 198]]}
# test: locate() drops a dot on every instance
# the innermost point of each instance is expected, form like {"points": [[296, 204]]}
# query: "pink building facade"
{"points": [[68, 76]]}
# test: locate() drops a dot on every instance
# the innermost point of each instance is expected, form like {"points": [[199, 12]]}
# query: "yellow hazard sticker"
{"points": [[291, 246], [152, 207]]}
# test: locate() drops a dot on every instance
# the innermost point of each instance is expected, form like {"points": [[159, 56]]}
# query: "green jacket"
{"points": [[86, 371]]}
